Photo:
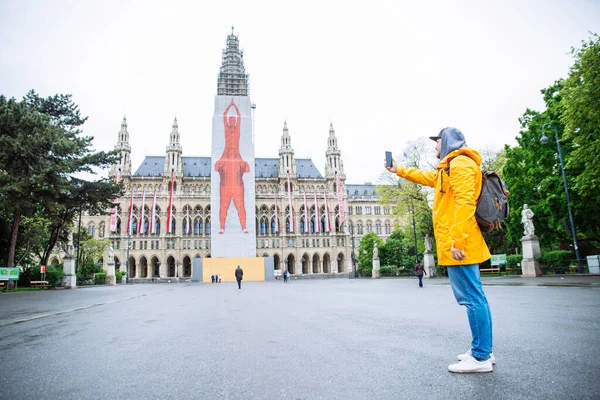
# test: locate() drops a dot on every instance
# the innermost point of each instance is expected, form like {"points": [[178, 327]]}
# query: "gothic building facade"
{"points": [[318, 241]]}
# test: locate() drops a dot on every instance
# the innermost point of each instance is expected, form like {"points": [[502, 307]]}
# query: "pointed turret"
{"points": [[287, 162], [123, 166], [174, 150], [233, 80], [333, 156]]}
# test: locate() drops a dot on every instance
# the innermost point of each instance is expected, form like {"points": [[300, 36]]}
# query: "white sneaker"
{"points": [[464, 356], [471, 365]]}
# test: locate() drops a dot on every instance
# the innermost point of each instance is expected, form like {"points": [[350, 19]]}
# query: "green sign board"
{"points": [[9, 274], [498, 259]]}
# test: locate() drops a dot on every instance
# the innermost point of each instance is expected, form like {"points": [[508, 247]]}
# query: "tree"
{"points": [[41, 151], [581, 119], [407, 199], [395, 250], [533, 175], [91, 251], [365, 252]]}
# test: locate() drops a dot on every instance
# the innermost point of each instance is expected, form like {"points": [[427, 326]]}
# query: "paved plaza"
{"points": [[310, 339]]}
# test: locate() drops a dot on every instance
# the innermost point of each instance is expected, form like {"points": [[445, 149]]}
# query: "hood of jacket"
{"points": [[463, 151], [452, 139]]}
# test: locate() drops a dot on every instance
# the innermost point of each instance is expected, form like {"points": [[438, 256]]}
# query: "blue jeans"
{"points": [[468, 291]]}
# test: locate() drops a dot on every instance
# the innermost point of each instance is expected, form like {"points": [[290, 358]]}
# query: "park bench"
{"points": [[1, 284], [39, 284], [492, 270]]}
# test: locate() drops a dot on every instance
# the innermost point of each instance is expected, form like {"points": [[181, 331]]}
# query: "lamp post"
{"points": [[414, 231], [127, 259], [545, 140], [353, 255]]}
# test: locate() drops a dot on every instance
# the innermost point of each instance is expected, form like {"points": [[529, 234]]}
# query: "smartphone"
{"points": [[388, 158]]}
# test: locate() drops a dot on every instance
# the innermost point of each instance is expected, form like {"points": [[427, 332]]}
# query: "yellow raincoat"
{"points": [[454, 201]]}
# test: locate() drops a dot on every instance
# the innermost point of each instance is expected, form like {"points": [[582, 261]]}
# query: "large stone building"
{"points": [[308, 249]]}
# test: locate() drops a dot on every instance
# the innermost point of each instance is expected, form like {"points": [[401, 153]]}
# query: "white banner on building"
{"points": [[233, 225]]}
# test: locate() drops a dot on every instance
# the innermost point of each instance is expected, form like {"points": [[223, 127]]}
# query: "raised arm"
{"points": [[227, 111]]}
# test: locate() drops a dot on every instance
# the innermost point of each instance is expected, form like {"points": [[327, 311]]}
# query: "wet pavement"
{"points": [[310, 339]]}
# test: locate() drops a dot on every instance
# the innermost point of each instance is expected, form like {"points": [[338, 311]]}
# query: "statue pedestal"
{"points": [[69, 278], [376, 272], [429, 264], [111, 279], [531, 250]]}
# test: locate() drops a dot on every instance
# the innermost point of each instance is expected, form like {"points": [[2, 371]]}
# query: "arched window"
{"points": [[207, 227], [302, 226], [157, 227], [273, 226], [263, 227]]}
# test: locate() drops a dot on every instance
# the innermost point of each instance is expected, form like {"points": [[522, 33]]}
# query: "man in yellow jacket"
{"points": [[460, 244]]}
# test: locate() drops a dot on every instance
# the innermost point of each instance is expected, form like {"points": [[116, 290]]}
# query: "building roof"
{"points": [[362, 190], [201, 166]]}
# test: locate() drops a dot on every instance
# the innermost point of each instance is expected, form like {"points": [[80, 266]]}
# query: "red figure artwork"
{"points": [[231, 168]]}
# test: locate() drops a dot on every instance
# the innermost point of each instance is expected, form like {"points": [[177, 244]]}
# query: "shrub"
{"points": [[555, 260], [365, 271], [100, 278], [54, 275], [386, 270], [119, 275], [513, 262]]}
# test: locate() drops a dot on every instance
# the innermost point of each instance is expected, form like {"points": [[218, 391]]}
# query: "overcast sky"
{"points": [[383, 72]]}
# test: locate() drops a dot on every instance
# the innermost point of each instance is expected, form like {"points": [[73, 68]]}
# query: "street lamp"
{"points": [[127, 259], [544, 139], [353, 255]]}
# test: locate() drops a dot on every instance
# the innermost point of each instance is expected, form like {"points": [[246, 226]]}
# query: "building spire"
{"points": [[174, 150], [123, 166], [287, 162], [333, 155], [233, 80]]}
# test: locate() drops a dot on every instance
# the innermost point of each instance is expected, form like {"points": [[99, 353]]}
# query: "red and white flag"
{"points": [[327, 223], [340, 199], [276, 215], [141, 224], [153, 219], [130, 219], [170, 207], [113, 215], [317, 219], [306, 221], [291, 207]]}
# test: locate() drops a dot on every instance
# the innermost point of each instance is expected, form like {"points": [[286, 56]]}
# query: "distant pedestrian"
{"points": [[286, 276], [239, 274], [212, 278], [419, 270]]}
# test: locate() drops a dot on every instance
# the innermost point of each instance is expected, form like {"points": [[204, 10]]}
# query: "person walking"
{"points": [[212, 278], [239, 273], [457, 184], [419, 270]]}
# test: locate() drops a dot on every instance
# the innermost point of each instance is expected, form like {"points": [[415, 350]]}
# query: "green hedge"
{"points": [[556, 259], [387, 270], [513, 262], [100, 278], [54, 275], [119, 275]]}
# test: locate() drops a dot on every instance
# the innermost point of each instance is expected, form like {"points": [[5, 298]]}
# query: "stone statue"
{"points": [[527, 220], [111, 253], [70, 246], [427, 242], [375, 251]]}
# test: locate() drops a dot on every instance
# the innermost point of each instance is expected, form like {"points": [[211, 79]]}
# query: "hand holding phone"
{"points": [[388, 159]]}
